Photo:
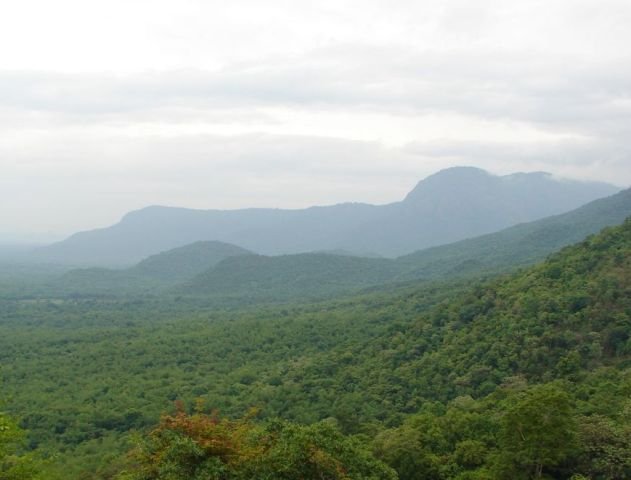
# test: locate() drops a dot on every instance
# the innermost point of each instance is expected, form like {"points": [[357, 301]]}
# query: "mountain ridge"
{"points": [[217, 270], [445, 207], [319, 274]]}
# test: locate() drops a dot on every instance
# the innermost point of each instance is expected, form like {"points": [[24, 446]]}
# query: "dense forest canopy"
{"points": [[438, 380]]}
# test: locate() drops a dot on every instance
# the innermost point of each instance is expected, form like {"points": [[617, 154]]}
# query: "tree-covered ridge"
{"points": [[568, 319], [153, 274], [286, 277], [569, 314], [183, 263], [521, 245]]}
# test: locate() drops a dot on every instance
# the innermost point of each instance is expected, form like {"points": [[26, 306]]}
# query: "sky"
{"points": [[107, 107]]}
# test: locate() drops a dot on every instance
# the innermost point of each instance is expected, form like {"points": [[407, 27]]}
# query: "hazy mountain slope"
{"points": [[466, 202], [307, 275], [155, 272], [229, 272], [154, 229], [451, 205], [313, 275], [183, 263], [519, 245]]}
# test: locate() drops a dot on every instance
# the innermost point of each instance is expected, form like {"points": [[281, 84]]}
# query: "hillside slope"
{"points": [[183, 263], [153, 274], [302, 276], [319, 275], [569, 314], [519, 245]]}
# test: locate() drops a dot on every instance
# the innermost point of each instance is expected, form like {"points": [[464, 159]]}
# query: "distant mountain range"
{"points": [[449, 206], [216, 270], [317, 275]]}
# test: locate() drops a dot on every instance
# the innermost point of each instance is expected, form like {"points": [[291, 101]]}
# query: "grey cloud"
{"points": [[558, 93], [579, 96]]}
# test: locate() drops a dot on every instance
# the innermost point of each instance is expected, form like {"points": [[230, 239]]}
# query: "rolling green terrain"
{"points": [[526, 375], [306, 276], [225, 274], [181, 264], [318, 275], [155, 273]]}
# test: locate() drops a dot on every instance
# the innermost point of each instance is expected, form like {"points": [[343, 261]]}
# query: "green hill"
{"points": [[318, 275], [519, 245], [570, 314], [153, 274], [183, 263], [303, 276]]}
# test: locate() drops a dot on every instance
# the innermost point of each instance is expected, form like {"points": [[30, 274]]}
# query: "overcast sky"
{"points": [[109, 106]]}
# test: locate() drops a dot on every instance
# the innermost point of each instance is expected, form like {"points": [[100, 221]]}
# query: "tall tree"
{"points": [[538, 432]]}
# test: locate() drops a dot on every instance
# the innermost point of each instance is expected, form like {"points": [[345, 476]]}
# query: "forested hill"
{"points": [[290, 277], [183, 263], [151, 275], [282, 278], [536, 370], [519, 245], [566, 316], [450, 205]]}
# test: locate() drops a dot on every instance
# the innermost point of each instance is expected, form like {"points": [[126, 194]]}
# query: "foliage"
{"points": [[15, 463], [537, 431], [205, 447]]}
